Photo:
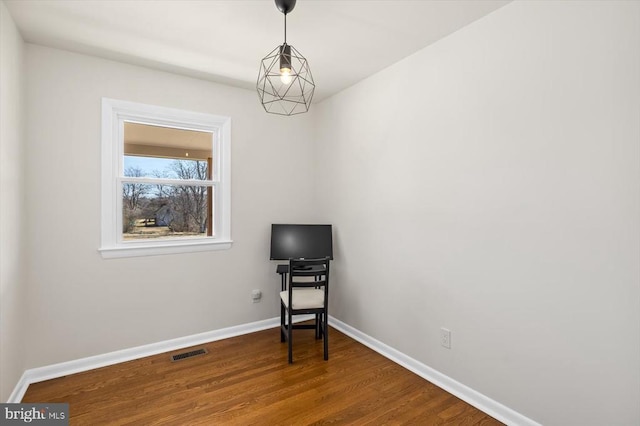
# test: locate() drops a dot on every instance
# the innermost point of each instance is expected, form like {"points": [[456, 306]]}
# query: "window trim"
{"points": [[114, 114]]}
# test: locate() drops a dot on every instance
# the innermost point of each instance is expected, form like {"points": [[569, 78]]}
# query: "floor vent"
{"points": [[189, 354]]}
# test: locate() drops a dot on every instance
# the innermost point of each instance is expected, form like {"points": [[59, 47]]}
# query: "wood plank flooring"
{"points": [[246, 380]]}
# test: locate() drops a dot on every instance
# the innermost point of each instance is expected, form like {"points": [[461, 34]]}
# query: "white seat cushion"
{"points": [[304, 298]]}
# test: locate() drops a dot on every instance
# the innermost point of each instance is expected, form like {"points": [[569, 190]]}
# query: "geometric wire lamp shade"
{"points": [[285, 93], [285, 84]]}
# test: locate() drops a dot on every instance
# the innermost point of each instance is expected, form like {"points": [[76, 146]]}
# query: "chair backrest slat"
{"points": [[320, 283]]}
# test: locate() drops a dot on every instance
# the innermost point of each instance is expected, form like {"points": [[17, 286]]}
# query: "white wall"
{"points": [[12, 272], [489, 184], [81, 304]]}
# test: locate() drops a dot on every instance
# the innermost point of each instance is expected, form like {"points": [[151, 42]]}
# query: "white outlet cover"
{"points": [[445, 337]]}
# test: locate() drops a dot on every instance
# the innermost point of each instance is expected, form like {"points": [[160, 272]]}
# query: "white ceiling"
{"points": [[224, 41]]}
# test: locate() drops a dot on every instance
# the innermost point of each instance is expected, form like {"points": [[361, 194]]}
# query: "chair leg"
{"points": [[318, 326], [325, 332], [282, 337], [290, 338]]}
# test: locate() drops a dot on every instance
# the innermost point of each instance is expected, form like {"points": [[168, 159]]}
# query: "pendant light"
{"points": [[285, 85]]}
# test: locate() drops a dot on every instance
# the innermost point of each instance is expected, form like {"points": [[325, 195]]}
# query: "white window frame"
{"points": [[114, 114]]}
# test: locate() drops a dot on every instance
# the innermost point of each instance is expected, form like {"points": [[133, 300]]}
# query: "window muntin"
{"points": [[165, 180]]}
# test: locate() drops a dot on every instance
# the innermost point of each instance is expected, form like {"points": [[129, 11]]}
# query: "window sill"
{"points": [[169, 247]]}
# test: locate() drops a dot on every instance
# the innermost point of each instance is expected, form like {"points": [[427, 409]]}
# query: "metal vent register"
{"points": [[189, 354]]}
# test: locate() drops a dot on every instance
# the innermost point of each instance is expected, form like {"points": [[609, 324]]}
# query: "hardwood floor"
{"points": [[246, 380]]}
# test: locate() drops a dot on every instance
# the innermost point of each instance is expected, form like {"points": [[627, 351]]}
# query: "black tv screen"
{"points": [[301, 241]]}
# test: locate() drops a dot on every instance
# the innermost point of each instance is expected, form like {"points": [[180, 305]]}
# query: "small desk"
{"points": [[283, 270]]}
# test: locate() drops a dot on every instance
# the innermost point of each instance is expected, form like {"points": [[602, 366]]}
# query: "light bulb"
{"points": [[285, 75]]}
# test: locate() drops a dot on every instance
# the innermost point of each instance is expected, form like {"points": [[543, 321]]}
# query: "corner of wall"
{"points": [[12, 161]]}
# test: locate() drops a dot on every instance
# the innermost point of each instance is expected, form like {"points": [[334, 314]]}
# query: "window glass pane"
{"points": [[165, 211], [166, 168], [156, 151]]}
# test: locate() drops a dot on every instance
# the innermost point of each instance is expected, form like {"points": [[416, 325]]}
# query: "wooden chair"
{"points": [[308, 288]]}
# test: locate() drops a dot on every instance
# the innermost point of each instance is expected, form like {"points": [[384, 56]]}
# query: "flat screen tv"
{"points": [[301, 241]]}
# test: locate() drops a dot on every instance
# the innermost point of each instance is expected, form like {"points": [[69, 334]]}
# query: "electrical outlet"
{"points": [[445, 338], [256, 295]]}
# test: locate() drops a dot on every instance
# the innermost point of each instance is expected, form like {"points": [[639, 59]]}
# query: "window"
{"points": [[165, 180]]}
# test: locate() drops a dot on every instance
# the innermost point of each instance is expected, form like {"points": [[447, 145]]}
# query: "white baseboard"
{"points": [[19, 390], [465, 393]]}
